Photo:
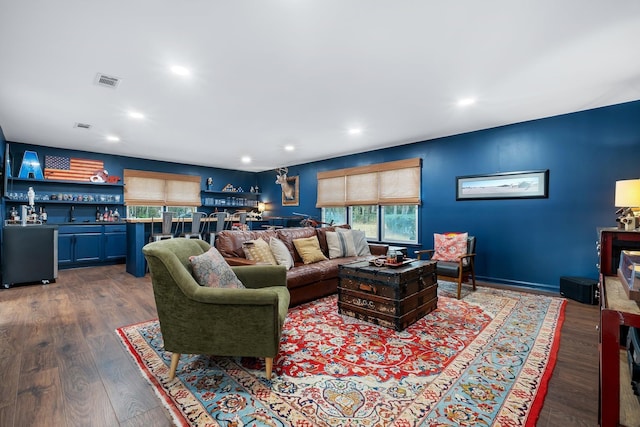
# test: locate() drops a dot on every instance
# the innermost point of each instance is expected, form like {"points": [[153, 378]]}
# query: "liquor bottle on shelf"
{"points": [[72, 214], [98, 214], [43, 215], [105, 217]]}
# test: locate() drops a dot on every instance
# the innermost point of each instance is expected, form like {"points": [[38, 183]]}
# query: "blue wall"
{"points": [[524, 242]]}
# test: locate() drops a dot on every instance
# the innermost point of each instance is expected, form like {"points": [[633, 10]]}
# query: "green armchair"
{"points": [[219, 321]]}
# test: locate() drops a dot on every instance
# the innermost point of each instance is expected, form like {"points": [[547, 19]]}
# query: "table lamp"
{"points": [[262, 207], [628, 198]]}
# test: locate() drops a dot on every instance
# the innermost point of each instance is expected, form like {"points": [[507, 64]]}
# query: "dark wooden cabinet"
{"points": [[618, 405]]}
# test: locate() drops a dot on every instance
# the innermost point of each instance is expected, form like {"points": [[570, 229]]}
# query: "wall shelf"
{"points": [[229, 199], [65, 182]]}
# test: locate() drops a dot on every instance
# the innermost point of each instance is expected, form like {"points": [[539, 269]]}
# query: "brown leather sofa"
{"points": [[306, 282]]}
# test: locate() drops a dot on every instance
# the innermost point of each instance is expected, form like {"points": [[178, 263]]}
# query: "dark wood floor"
{"points": [[61, 364]]}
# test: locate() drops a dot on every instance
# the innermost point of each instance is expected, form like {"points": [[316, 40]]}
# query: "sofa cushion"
{"points": [[229, 242], [359, 240], [340, 244], [281, 253], [210, 269], [450, 246], [287, 235], [322, 236], [259, 251], [309, 249]]}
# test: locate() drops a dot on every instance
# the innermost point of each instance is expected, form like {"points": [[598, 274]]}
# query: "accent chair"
{"points": [[197, 319], [457, 271]]}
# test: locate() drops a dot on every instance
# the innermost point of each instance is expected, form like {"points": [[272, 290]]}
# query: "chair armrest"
{"points": [[429, 252], [378, 248], [233, 261], [261, 276], [226, 296]]}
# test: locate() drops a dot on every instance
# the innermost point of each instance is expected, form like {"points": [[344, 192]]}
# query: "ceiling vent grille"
{"points": [[107, 81], [82, 125]]}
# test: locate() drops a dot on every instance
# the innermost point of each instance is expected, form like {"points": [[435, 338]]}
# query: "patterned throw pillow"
{"points": [[340, 244], [450, 246], [309, 249], [281, 252], [259, 251], [210, 269]]}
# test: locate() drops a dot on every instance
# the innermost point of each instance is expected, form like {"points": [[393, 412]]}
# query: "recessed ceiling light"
{"points": [[355, 131], [136, 115], [180, 70], [113, 138], [464, 102], [289, 147], [246, 159]]}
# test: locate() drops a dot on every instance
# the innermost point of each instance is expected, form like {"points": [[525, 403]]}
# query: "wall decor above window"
{"points": [[508, 185]]}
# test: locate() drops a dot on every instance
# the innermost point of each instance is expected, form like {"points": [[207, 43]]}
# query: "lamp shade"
{"points": [[261, 207], [628, 193]]}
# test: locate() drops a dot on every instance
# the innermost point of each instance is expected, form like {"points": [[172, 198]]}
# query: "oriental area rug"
{"points": [[484, 360]]}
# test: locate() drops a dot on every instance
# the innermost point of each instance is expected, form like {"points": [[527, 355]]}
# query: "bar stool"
{"points": [[220, 224], [243, 220], [195, 232], [167, 222]]}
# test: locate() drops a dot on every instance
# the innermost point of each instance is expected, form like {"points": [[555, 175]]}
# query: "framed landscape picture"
{"points": [[508, 185]]}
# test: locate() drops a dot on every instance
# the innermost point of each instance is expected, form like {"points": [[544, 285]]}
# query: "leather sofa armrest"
{"points": [[378, 248], [239, 261]]}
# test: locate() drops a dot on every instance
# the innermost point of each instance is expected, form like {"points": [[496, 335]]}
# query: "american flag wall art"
{"points": [[70, 169]]}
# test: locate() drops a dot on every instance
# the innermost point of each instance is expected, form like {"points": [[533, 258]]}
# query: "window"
{"points": [[144, 211], [380, 199], [144, 188], [400, 223], [181, 211], [365, 218], [334, 216]]}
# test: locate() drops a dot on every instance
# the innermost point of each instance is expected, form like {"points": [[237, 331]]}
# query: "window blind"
{"points": [[390, 183], [160, 189]]}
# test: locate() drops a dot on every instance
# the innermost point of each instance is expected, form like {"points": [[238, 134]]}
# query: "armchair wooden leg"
{"points": [[268, 362], [460, 276], [175, 357], [473, 277]]}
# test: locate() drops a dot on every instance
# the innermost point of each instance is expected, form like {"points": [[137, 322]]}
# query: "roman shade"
{"points": [[390, 183], [144, 188]]}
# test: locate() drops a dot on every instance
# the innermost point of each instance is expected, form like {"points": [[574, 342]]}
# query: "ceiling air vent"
{"points": [[82, 126], [107, 81]]}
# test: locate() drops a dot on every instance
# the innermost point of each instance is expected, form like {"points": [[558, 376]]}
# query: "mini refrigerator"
{"points": [[29, 254]]}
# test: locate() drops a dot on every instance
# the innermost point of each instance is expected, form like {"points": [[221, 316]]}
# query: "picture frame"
{"points": [[509, 185], [294, 182]]}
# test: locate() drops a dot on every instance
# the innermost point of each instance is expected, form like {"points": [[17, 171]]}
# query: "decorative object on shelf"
{"points": [[509, 185], [71, 169], [252, 190], [31, 195], [209, 184], [30, 167], [228, 187], [627, 198], [290, 187]]}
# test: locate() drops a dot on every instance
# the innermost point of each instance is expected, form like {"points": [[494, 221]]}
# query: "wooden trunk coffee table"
{"points": [[393, 297]]}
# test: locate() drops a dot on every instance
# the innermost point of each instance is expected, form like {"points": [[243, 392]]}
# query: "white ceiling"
{"points": [[267, 73]]}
